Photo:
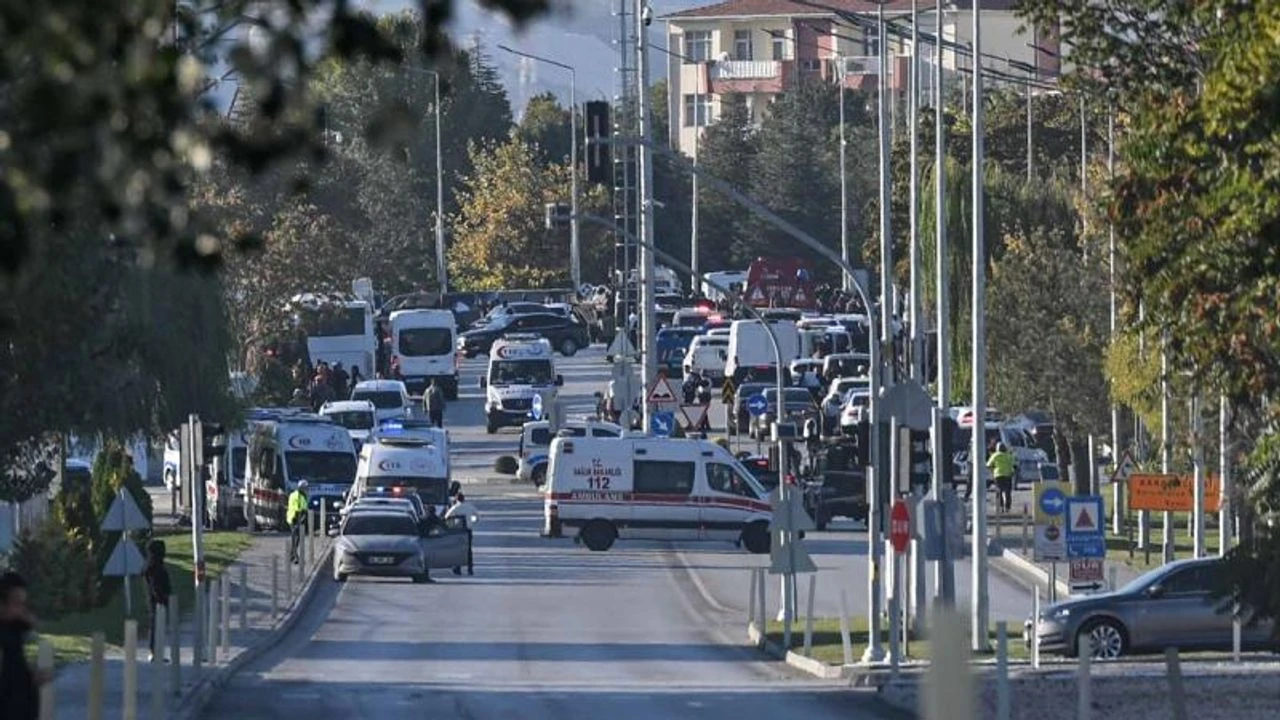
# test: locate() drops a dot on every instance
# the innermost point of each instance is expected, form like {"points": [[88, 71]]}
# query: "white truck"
{"points": [[424, 343], [751, 353], [520, 381]]}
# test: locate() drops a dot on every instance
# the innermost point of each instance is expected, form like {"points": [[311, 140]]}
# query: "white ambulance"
{"points": [[521, 368], [412, 455], [653, 488], [424, 343], [287, 447]]}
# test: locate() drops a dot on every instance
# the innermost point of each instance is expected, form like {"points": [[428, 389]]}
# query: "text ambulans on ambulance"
{"points": [[286, 448], [520, 367], [413, 455], [653, 488], [424, 343]]}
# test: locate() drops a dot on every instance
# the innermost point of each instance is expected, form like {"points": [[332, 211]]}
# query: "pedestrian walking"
{"points": [[469, 516], [1003, 465], [296, 515], [339, 378], [433, 403], [19, 683], [158, 589]]}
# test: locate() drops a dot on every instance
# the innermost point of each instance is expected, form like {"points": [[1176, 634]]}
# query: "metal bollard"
{"points": [[275, 587], [157, 662], [1035, 635], [1026, 524], [225, 606], [1177, 694], [311, 549], [175, 646], [130, 686], [97, 662], [751, 600], [324, 521], [1002, 670], [244, 597], [288, 581], [1111, 577], [760, 605], [211, 624], [1084, 703], [845, 641], [303, 559], [44, 661], [808, 616]]}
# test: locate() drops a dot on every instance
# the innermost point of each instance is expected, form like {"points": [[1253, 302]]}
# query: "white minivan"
{"points": [[425, 344], [653, 488], [706, 356]]}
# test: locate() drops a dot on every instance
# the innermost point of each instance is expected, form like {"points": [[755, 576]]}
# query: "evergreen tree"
{"points": [[728, 151]]}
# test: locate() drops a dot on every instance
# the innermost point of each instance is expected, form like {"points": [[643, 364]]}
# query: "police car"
{"points": [[535, 444], [521, 375]]}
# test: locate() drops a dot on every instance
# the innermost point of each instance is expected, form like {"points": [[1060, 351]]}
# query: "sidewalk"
{"points": [[72, 687]]}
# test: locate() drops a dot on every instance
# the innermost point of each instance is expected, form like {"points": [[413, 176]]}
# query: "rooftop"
{"points": [[816, 8]]}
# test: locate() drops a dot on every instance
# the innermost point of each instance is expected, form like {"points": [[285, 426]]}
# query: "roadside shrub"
{"points": [[59, 566]]}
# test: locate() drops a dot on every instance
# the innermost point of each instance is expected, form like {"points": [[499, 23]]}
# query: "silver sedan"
{"points": [[381, 543]]}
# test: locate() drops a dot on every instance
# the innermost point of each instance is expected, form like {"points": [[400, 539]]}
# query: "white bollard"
{"points": [[157, 662], [1035, 634], [1112, 574], [845, 641], [130, 686], [211, 623], [244, 597], [288, 581], [97, 666], [808, 616], [311, 551], [275, 587], [1235, 635], [760, 604], [751, 600], [1177, 697], [948, 692], [1084, 703], [44, 662], [225, 606], [175, 646], [1002, 670]]}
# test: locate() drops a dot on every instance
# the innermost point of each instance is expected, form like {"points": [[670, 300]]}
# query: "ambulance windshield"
{"points": [[521, 372]]}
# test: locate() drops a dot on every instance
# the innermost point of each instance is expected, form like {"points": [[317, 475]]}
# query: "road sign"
{"points": [[1172, 493], [661, 392], [535, 407], [124, 515], [941, 522], [727, 391], [693, 415], [1124, 468], [787, 553], [757, 405], [1050, 502], [900, 526], [124, 559], [1085, 527], [662, 424], [1086, 575], [621, 347]]}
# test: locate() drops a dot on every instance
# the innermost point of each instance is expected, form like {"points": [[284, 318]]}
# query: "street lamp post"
{"points": [[441, 269], [575, 249]]}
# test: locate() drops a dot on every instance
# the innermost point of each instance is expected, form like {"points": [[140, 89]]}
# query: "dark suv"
{"points": [[566, 334]]}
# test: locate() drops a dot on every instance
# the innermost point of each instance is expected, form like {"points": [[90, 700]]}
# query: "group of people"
{"points": [[315, 386]]}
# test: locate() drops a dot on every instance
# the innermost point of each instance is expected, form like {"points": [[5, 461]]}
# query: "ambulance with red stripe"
{"points": [[286, 448], [606, 489]]}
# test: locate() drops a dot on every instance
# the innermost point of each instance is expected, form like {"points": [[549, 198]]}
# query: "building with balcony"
{"points": [[759, 48]]}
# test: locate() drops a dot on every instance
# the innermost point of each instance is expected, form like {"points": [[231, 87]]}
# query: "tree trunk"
{"points": [[1062, 449], [1080, 461]]}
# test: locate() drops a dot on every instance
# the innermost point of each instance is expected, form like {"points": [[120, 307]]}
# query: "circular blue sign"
{"points": [[756, 405], [1053, 502], [535, 407]]}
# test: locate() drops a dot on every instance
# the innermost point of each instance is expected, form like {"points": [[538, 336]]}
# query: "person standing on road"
{"points": [[296, 516], [470, 516], [19, 684], [1002, 466], [158, 588], [433, 403]]}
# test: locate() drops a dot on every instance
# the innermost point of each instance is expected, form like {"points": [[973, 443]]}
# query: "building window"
{"points": [[811, 65], [697, 110], [697, 46], [742, 45], [779, 47]]}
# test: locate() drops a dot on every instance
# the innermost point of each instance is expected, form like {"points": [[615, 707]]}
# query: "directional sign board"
{"points": [[787, 553], [1085, 527], [726, 391], [1050, 535], [1086, 575], [757, 405], [662, 424]]}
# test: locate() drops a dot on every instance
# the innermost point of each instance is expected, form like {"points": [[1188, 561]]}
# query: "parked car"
{"points": [[797, 407], [834, 401], [1171, 606], [739, 418], [566, 334]]}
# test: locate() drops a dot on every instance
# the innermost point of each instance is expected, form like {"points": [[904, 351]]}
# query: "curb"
{"points": [[193, 703], [815, 668], [1027, 571], [491, 480]]}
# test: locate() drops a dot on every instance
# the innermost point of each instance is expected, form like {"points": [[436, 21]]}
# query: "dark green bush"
{"points": [[60, 569]]}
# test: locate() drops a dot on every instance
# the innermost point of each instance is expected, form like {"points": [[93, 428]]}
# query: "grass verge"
{"points": [[71, 635], [828, 647]]}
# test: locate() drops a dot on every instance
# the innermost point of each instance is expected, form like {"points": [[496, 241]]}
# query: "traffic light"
{"points": [[948, 429], [599, 158], [919, 460]]}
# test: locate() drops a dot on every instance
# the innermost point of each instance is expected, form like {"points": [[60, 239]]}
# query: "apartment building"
{"points": [[759, 48]]}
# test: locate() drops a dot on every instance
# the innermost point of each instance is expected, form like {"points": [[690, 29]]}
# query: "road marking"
{"points": [[698, 584]]}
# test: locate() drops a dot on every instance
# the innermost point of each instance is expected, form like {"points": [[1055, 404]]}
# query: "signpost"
{"points": [[661, 392], [1086, 531], [620, 349], [694, 416], [662, 424], [787, 554], [1050, 503], [900, 526], [125, 561], [757, 405], [1119, 478], [1086, 575]]}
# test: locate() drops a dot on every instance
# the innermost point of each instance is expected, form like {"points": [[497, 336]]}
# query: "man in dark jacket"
{"points": [[19, 684], [158, 588]]}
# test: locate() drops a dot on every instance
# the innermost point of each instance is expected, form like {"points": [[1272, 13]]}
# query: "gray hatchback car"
{"points": [[1171, 606]]}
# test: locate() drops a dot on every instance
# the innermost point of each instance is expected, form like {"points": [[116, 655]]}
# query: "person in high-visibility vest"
{"points": [[1003, 465], [296, 516]]}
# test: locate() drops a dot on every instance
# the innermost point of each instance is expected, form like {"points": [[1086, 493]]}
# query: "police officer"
{"points": [[1002, 466], [296, 516], [470, 516]]}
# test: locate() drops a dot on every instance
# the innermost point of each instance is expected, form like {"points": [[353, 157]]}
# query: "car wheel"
{"points": [[419, 579], [340, 577], [568, 348], [1105, 638], [539, 475], [598, 535], [755, 538]]}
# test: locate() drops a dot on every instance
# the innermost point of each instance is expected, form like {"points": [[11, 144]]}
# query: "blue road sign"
{"points": [[535, 407], [1086, 527], [1052, 501], [662, 424], [757, 405]]}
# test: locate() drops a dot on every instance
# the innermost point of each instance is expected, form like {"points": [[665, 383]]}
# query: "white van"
{"points": [[750, 348], [521, 366], [707, 356], [535, 444], [390, 398], [286, 447], [653, 488], [357, 416], [413, 455], [425, 343]]}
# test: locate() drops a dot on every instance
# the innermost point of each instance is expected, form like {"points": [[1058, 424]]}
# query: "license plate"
{"points": [[381, 560]]}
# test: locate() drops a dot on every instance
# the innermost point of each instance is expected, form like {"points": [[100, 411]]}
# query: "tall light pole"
{"points": [[844, 190], [886, 235], [575, 249], [978, 451], [441, 268], [913, 111], [1111, 254], [649, 359], [944, 578]]}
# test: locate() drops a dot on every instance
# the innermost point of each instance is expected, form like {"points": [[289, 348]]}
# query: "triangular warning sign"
{"points": [[662, 392], [1084, 520], [124, 560], [621, 346], [693, 415], [124, 515]]}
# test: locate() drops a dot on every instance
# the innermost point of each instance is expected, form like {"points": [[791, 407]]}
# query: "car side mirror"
{"points": [[559, 380], [1155, 591], [483, 382]]}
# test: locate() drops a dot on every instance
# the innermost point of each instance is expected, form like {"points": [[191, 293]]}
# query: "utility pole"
{"points": [[978, 451], [886, 234], [943, 311], [1226, 529], [1198, 479], [1166, 447], [1111, 252], [913, 110], [844, 191], [649, 360], [1084, 163]]}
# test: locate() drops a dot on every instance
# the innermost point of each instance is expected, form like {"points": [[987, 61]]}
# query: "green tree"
{"points": [[546, 126], [728, 151]]}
